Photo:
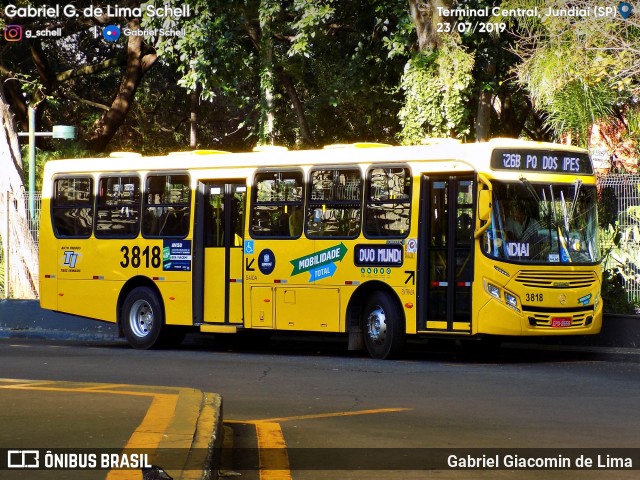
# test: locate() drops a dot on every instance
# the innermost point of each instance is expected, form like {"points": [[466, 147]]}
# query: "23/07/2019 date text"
{"points": [[471, 27]]}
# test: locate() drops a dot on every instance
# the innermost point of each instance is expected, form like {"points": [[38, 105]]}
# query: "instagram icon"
{"points": [[13, 33]]}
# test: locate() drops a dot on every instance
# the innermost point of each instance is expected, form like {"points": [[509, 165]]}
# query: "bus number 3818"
{"points": [[133, 257]]}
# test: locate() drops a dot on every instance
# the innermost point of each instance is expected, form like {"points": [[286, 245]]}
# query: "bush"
{"points": [[614, 295]]}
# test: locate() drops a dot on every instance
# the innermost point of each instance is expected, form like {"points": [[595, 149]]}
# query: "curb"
{"points": [[182, 427], [25, 319]]}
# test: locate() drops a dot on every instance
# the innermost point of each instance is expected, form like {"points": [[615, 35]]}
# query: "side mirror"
{"points": [[484, 205]]}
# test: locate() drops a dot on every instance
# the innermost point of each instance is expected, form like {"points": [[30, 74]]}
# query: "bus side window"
{"points": [[334, 207], [388, 202], [167, 206], [118, 207], [72, 207], [277, 204]]}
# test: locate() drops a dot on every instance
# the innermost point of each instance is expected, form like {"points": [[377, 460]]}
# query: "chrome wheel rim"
{"points": [[377, 325], [141, 318]]}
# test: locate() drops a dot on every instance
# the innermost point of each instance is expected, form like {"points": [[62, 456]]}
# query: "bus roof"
{"points": [[461, 156]]}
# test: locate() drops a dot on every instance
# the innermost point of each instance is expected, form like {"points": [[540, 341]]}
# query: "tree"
{"points": [[140, 58], [20, 250], [437, 80], [56, 68], [580, 70], [316, 70], [437, 86]]}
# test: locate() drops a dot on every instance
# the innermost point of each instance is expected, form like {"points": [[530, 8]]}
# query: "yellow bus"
{"points": [[377, 242]]}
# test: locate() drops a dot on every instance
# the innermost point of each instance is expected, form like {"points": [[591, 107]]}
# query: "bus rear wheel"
{"points": [[382, 326], [142, 318]]}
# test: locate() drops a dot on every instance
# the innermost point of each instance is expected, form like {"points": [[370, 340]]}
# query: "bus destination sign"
{"points": [[546, 161]]}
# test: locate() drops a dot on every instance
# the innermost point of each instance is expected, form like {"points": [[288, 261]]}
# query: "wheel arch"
{"points": [[129, 286], [356, 304]]}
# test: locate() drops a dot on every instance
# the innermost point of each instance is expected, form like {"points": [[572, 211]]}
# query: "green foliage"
{"points": [[436, 87], [577, 106], [65, 150], [341, 60], [614, 295], [577, 70], [607, 207]]}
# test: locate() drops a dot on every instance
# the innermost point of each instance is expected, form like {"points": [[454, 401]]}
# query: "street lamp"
{"points": [[59, 131]]}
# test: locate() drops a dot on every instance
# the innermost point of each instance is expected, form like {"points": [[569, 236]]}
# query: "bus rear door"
{"points": [[446, 254], [218, 269]]}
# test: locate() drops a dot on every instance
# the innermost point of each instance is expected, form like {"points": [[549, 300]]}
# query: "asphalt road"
{"points": [[318, 400]]}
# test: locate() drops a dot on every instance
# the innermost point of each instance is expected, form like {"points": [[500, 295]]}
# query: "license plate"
{"points": [[561, 322]]}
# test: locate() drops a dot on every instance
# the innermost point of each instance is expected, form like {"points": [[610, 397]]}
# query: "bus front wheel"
{"points": [[142, 318], [382, 326]]}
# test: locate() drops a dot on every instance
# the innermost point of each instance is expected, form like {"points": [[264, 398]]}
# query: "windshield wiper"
{"points": [[529, 188], [578, 185], [544, 206]]}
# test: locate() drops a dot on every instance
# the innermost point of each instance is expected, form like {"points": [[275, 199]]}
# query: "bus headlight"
{"points": [[493, 290], [511, 300]]}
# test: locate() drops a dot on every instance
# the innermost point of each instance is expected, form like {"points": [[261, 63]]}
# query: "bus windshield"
{"points": [[543, 223]]}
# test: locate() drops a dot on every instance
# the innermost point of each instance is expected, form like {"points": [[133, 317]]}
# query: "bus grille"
{"points": [[578, 319], [534, 278]]}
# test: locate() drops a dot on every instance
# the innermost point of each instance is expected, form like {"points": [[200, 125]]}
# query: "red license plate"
{"points": [[561, 322]]}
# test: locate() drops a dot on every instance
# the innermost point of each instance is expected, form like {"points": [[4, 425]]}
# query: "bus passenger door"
{"points": [[446, 253], [219, 231]]}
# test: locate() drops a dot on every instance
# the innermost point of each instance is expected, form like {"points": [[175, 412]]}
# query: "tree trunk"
{"points": [[298, 108], [193, 130], [267, 83], [138, 63], [426, 19], [483, 115], [20, 250]]}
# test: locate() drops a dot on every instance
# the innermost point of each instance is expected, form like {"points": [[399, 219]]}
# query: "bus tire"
{"points": [[142, 318], [382, 326]]}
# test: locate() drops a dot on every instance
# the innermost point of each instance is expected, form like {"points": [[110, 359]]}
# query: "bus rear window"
{"points": [[72, 207], [166, 206], [118, 207], [388, 202]]}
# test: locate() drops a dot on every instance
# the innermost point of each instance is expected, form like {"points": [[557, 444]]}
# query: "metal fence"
{"points": [[622, 255], [19, 246]]}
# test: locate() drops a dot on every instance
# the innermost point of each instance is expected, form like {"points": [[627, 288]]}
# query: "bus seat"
{"points": [[283, 225], [295, 223]]}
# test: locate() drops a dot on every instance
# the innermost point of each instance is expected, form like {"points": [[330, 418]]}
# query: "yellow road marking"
{"points": [[334, 414], [272, 449], [106, 386], [272, 452], [23, 386], [147, 435]]}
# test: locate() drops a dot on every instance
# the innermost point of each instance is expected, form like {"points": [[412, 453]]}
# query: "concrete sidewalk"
{"points": [[197, 416], [25, 318], [169, 432]]}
